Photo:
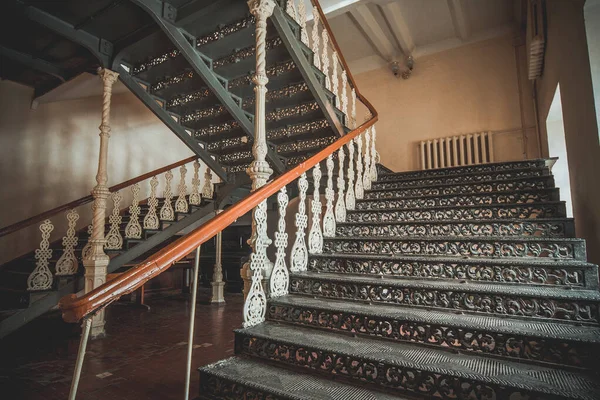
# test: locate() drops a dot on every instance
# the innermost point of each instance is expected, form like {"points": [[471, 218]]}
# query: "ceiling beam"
{"points": [[34, 63], [369, 25], [458, 11], [100, 48], [394, 17]]}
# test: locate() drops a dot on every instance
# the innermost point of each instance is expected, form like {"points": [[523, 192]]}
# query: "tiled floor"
{"points": [[143, 356]]}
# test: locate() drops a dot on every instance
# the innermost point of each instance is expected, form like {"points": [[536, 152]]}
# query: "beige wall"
{"points": [[49, 156], [567, 63], [464, 90]]}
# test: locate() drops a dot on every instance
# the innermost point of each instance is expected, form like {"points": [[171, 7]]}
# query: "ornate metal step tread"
{"points": [[537, 227], [530, 328], [507, 270], [563, 293], [461, 178], [489, 167], [278, 383], [489, 198], [536, 182], [380, 362], [532, 247], [461, 213]]}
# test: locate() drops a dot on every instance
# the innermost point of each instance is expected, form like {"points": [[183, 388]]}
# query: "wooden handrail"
{"points": [[89, 198], [75, 308]]}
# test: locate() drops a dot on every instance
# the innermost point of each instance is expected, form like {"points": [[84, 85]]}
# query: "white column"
{"points": [[96, 261], [217, 280], [259, 171]]}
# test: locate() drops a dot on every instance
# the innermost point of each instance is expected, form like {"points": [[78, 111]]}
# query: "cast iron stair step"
{"points": [[462, 178], [559, 249], [554, 342], [538, 227], [461, 213], [466, 199], [575, 305], [481, 168], [530, 271], [383, 364], [540, 182], [241, 376]]}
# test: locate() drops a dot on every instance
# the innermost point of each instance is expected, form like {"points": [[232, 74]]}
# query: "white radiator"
{"points": [[454, 151]]}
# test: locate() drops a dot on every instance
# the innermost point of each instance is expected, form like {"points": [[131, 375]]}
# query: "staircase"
{"points": [[457, 283], [192, 67]]}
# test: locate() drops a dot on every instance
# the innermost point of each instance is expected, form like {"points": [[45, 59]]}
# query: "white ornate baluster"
{"points": [[316, 38], [299, 255], [181, 204], [133, 230], [114, 240], [334, 78], [340, 205], [302, 18], [367, 174], [374, 155], [41, 277], [85, 252], [325, 58], [350, 200], [358, 186], [166, 211], [67, 264], [255, 306], [353, 111], [329, 218], [344, 95], [207, 189], [290, 8], [280, 278], [195, 198], [151, 219], [315, 237]]}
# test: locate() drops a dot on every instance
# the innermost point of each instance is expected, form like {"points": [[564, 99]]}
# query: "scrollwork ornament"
{"points": [[350, 199], [195, 198], [255, 306], [316, 38], [151, 220], [374, 155], [133, 230], [367, 173], [358, 187], [340, 205], [85, 252], [325, 58], [329, 218], [181, 204], [299, 254], [207, 189], [166, 211], [41, 277], [67, 264], [114, 240], [315, 237], [302, 21], [280, 278]]}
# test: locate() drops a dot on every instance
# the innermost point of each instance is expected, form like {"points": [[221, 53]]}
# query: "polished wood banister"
{"points": [[88, 199]]}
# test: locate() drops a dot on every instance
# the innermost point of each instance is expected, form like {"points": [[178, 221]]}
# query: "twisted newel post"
{"points": [[96, 260], [259, 171]]}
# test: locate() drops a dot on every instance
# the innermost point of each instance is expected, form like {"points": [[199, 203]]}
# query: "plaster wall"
{"points": [[567, 63], [473, 88], [49, 156]]}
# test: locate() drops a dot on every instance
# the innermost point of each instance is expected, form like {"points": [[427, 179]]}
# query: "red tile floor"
{"points": [[142, 357]]}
